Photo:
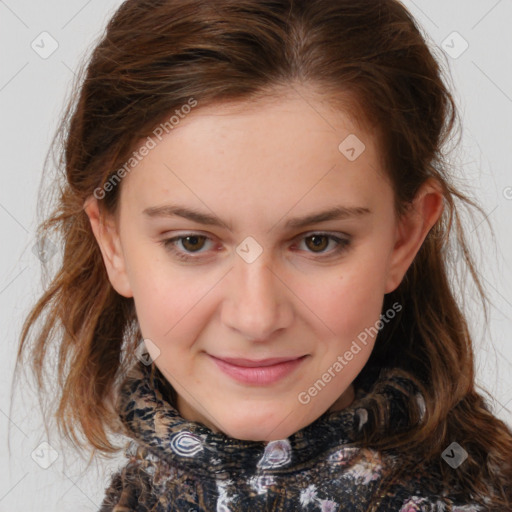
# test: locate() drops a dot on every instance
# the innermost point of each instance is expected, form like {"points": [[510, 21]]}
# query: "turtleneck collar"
{"points": [[159, 431]]}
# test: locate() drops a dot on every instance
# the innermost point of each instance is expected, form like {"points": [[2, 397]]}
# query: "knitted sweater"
{"points": [[179, 465]]}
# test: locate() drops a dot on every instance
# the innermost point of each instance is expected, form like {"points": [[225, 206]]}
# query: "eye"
{"points": [[191, 242], [317, 243]]}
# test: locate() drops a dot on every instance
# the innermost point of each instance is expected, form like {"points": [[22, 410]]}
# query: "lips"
{"points": [[260, 372], [253, 363]]}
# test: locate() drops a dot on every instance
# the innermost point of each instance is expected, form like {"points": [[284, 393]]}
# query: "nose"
{"points": [[257, 300]]}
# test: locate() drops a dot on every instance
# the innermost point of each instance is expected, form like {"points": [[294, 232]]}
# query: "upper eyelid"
{"points": [[305, 234], [301, 236]]}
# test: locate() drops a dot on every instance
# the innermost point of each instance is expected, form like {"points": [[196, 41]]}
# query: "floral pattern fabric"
{"points": [[182, 466]]}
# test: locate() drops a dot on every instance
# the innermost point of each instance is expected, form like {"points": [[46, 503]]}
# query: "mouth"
{"points": [[258, 372], [256, 363]]}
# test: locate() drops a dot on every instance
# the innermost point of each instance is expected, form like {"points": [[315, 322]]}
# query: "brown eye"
{"points": [[188, 247], [317, 242], [193, 242]]}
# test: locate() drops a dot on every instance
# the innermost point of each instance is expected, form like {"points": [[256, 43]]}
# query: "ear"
{"points": [[107, 235], [412, 230]]}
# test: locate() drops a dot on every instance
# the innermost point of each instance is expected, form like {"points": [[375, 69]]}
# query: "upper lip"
{"points": [[253, 363]]}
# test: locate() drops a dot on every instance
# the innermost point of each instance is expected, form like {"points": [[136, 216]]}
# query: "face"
{"points": [[248, 234]]}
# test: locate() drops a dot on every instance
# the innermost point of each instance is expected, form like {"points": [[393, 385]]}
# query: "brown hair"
{"points": [[154, 57]]}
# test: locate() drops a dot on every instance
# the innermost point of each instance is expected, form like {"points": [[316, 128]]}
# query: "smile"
{"points": [[260, 373]]}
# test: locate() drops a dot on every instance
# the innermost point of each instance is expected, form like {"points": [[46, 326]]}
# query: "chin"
{"points": [[262, 428], [250, 433]]}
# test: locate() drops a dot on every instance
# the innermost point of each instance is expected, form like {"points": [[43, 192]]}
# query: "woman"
{"points": [[277, 371]]}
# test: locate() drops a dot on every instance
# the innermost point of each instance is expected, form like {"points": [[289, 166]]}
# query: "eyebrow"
{"points": [[334, 213]]}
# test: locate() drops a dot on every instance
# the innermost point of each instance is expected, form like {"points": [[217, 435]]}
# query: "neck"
{"points": [[344, 400]]}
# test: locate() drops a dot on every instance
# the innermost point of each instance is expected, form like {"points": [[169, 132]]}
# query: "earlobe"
{"points": [[412, 230], [107, 236]]}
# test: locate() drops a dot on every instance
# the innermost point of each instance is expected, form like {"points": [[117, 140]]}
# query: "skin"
{"points": [[256, 166]]}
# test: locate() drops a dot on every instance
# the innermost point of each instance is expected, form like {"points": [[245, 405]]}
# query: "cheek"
{"points": [[164, 295], [348, 300], [164, 307]]}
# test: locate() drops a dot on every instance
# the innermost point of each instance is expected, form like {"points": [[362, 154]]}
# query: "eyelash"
{"points": [[169, 244]]}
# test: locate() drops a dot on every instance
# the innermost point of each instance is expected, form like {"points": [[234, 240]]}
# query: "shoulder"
{"points": [[421, 490], [130, 488], [415, 503], [145, 483]]}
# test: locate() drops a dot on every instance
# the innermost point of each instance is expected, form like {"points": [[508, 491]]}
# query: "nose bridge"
{"points": [[256, 298]]}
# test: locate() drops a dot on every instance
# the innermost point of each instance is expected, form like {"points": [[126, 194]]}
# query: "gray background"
{"points": [[32, 94]]}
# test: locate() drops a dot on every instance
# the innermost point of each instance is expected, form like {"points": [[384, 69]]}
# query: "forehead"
{"points": [[281, 151]]}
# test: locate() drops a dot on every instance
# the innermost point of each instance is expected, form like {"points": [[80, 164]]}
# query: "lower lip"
{"points": [[259, 375]]}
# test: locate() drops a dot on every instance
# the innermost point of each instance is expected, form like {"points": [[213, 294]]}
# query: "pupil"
{"points": [[193, 239], [317, 240]]}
